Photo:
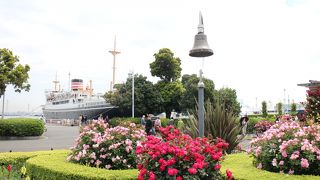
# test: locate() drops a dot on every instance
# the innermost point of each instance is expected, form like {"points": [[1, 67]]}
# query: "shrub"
{"points": [[178, 156], [52, 165], [287, 147], [263, 126], [21, 127], [219, 123], [242, 168], [110, 148], [55, 167], [117, 121]]}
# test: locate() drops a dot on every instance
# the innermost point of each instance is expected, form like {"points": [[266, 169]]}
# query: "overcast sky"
{"points": [[261, 47]]}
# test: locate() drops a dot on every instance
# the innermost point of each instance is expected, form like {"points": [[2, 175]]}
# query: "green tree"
{"points": [[293, 109], [12, 73], [166, 66], [171, 93], [228, 97], [279, 108], [264, 109], [190, 96], [147, 98]]}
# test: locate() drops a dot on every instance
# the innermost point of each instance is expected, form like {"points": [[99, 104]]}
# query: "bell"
{"points": [[200, 47]]}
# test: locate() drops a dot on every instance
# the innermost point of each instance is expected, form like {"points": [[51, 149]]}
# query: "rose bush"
{"points": [[288, 147], [263, 126], [177, 156], [111, 148]]}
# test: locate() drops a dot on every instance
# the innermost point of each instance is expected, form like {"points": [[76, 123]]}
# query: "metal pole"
{"points": [[201, 106], [3, 104], [132, 94]]}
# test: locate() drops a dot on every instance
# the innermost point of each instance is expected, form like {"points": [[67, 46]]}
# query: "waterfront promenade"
{"points": [[56, 137]]}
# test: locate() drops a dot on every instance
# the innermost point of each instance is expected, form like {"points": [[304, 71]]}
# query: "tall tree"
{"points": [[12, 73], [228, 97], [264, 109], [166, 66], [171, 93], [190, 96], [147, 98]]}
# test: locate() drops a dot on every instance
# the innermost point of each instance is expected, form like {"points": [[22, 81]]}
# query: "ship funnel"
{"points": [[76, 84]]}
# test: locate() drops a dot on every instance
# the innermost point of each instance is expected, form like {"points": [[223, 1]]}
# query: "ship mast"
{"points": [[55, 82], [114, 52]]}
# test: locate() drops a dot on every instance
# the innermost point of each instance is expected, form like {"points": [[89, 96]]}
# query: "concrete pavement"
{"points": [[56, 137]]}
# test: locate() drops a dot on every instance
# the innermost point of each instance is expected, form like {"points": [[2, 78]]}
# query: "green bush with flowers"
{"points": [[103, 147], [288, 147], [177, 156]]}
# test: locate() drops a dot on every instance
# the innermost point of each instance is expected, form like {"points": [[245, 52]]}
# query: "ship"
{"points": [[72, 104]]}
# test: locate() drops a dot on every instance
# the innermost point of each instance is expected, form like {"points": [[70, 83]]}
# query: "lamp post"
{"points": [[131, 74], [200, 49]]}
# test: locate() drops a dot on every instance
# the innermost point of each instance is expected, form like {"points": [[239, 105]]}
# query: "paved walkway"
{"points": [[56, 137]]}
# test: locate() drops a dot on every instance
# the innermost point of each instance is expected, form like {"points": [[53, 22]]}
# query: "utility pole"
{"points": [[114, 52]]}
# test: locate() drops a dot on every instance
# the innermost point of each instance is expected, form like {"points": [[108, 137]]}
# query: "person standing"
{"points": [[143, 120], [244, 123], [149, 125]]}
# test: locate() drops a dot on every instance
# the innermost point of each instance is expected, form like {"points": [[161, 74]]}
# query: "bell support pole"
{"points": [[200, 49]]}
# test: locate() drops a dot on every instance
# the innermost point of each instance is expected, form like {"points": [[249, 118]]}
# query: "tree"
{"points": [[228, 97], [147, 98], [264, 109], [165, 66], [171, 93], [190, 96], [12, 73], [279, 108], [293, 109]]}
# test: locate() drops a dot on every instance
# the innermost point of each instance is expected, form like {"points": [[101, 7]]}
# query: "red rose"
{"points": [[172, 171], [152, 176], [192, 170], [229, 174], [179, 178], [217, 166], [9, 168]]}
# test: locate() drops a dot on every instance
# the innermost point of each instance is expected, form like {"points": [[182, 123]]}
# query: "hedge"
{"points": [[21, 127], [56, 167], [117, 120], [242, 168]]}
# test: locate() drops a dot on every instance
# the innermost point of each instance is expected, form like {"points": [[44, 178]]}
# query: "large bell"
{"points": [[200, 47]]}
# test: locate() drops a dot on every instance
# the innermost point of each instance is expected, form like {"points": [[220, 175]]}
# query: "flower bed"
{"points": [[178, 156], [110, 148], [263, 126], [289, 148]]}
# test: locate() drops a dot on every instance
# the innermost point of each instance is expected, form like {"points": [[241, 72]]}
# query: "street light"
{"points": [[131, 74], [200, 49]]}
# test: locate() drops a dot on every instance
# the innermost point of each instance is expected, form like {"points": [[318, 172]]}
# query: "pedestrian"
{"points": [[171, 122], [100, 117], [143, 120], [157, 124], [81, 120], [148, 125], [85, 119], [244, 124]]}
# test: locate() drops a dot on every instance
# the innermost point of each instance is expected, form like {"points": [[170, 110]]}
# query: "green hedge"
{"points": [[21, 127], [56, 167], [242, 168], [117, 120], [53, 165]]}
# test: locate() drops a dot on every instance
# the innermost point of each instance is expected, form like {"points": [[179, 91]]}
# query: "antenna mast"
{"points": [[114, 52]]}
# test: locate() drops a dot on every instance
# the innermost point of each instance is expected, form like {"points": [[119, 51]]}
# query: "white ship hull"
{"points": [[75, 113]]}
